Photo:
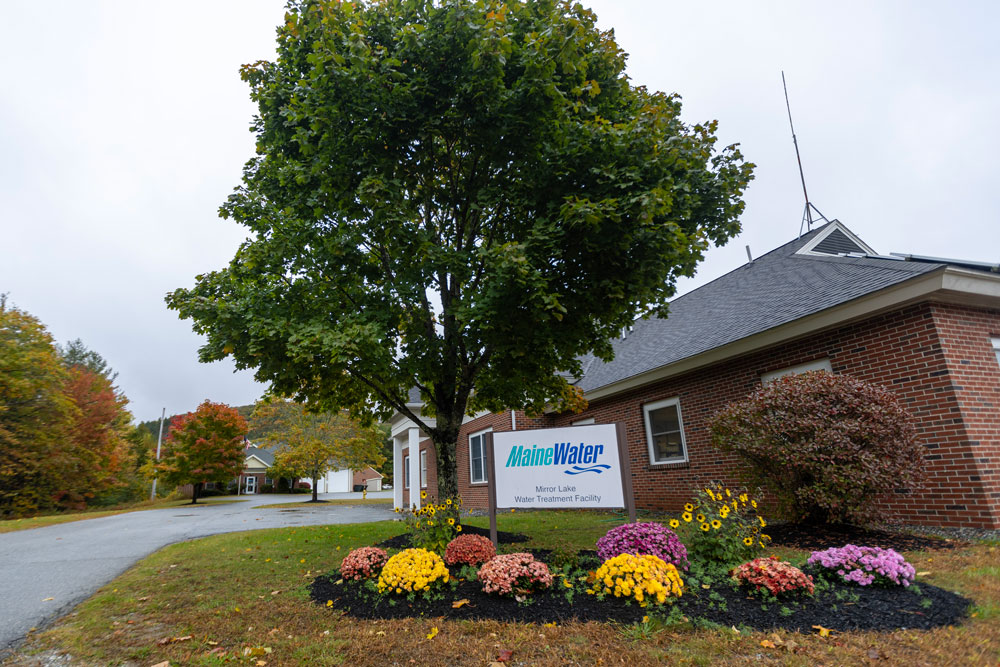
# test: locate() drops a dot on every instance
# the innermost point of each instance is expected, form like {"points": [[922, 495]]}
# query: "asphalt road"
{"points": [[45, 572]]}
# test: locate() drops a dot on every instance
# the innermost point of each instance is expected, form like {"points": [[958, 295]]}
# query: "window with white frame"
{"points": [[665, 431], [818, 365], [996, 348], [583, 422], [406, 472], [423, 469], [477, 457]]}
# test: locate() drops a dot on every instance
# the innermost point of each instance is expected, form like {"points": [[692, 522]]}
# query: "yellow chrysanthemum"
{"points": [[705, 527], [686, 516]]}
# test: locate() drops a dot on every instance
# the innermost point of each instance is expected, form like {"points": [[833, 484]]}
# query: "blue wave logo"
{"points": [[599, 468]]}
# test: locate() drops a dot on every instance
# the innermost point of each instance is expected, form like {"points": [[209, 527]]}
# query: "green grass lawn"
{"points": [[241, 597], [11, 525]]}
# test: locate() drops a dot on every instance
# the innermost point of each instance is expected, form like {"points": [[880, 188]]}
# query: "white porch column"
{"points": [[414, 444], [397, 473]]}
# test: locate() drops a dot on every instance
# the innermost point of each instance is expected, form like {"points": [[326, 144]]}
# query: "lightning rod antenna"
{"points": [[807, 213]]}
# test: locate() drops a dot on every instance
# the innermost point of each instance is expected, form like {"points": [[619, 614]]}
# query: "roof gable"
{"points": [[779, 287]]}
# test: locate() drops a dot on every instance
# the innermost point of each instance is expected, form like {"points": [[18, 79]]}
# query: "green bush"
{"points": [[826, 446]]}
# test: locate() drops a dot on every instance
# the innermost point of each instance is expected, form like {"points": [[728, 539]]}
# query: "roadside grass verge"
{"points": [[246, 592], [339, 502], [10, 525]]}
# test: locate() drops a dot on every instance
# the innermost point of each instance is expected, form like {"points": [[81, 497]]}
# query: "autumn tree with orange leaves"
{"points": [[203, 446]]}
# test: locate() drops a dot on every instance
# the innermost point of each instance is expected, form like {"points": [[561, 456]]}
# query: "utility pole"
{"points": [[159, 439]]}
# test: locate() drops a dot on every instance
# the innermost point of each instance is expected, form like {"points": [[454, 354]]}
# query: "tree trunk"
{"points": [[445, 439], [315, 481], [195, 490]]}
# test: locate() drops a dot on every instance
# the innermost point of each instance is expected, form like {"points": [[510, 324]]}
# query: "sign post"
{"points": [[583, 467]]}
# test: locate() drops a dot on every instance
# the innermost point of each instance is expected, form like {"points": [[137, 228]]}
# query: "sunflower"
{"points": [[736, 507], [688, 507], [716, 524], [674, 523], [710, 494], [431, 510], [762, 522], [753, 503], [686, 516], [447, 501], [728, 495], [748, 541], [724, 512], [705, 527], [430, 523], [701, 518], [423, 494], [451, 522], [458, 529], [743, 498]]}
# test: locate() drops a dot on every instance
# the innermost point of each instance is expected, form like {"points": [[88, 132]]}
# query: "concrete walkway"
{"points": [[45, 572]]}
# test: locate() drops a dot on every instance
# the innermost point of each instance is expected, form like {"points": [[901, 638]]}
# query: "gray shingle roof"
{"points": [[265, 455], [774, 289]]}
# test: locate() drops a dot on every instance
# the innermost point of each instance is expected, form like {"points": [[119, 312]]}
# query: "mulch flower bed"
{"points": [[841, 607], [816, 538]]}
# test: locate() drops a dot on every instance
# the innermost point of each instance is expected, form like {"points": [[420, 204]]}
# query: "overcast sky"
{"points": [[124, 125]]}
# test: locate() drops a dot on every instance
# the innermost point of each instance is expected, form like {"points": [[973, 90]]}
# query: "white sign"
{"points": [[575, 466]]}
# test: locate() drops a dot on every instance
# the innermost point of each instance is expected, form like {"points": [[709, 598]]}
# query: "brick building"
{"points": [[927, 328]]}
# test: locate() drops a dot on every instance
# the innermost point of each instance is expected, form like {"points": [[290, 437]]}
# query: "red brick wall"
{"points": [[937, 358], [975, 380]]}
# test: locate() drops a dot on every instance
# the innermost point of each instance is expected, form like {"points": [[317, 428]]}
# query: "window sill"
{"points": [[479, 483], [667, 465]]}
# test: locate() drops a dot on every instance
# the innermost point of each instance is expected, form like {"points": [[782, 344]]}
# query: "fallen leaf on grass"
{"points": [[255, 651], [923, 574], [874, 654], [457, 604], [211, 643], [823, 632], [173, 640], [433, 633], [165, 663], [504, 655], [143, 598], [766, 643], [47, 599]]}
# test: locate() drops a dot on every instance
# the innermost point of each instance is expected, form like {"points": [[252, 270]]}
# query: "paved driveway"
{"points": [[68, 562]]}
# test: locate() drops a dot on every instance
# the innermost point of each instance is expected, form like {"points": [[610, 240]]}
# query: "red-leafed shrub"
{"points": [[515, 574], [825, 445], [363, 563], [469, 549], [777, 576]]}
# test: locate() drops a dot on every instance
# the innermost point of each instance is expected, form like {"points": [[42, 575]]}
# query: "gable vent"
{"points": [[837, 242]]}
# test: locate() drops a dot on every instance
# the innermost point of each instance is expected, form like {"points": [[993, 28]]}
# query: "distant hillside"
{"points": [[153, 426]]}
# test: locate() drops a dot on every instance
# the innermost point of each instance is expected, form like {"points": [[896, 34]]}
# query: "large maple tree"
{"points": [[458, 196]]}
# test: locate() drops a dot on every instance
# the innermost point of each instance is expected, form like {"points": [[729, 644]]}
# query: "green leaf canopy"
{"points": [[460, 196]]}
